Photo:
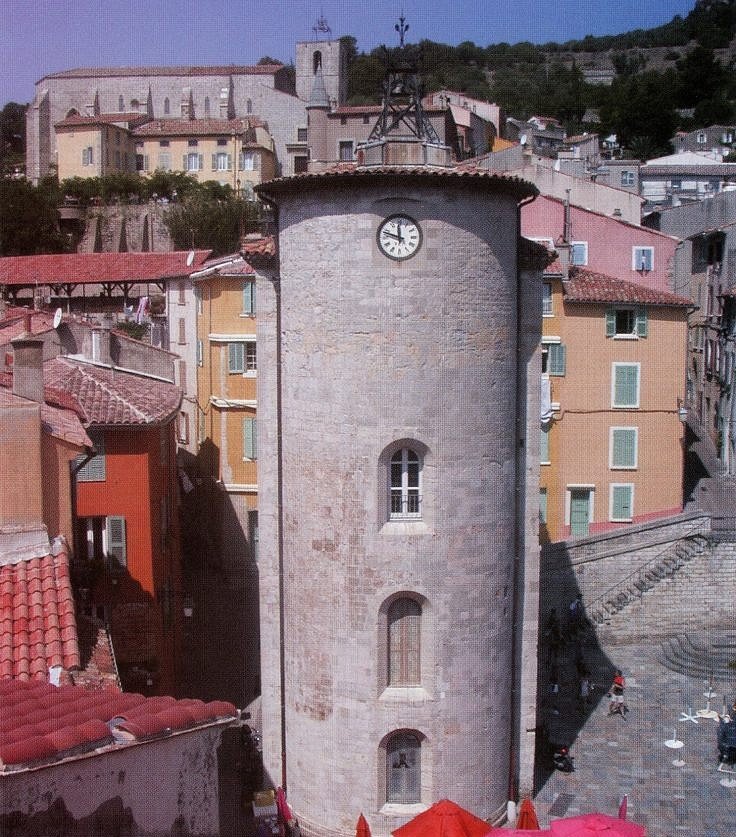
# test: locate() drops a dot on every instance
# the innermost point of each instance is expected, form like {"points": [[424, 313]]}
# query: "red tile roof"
{"points": [[44, 723], [56, 419], [78, 120], [586, 286], [13, 324], [37, 622], [112, 396], [95, 268], [258, 245], [217, 70], [196, 127]]}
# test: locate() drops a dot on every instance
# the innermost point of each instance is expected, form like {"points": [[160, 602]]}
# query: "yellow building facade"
{"points": [[94, 146], [613, 385], [235, 152], [227, 375]]}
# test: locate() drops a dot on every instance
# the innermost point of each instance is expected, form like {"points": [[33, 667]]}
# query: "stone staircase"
{"points": [[708, 656], [645, 578]]}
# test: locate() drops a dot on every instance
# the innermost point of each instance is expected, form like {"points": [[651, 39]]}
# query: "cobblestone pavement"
{"points": [[616, 756]]}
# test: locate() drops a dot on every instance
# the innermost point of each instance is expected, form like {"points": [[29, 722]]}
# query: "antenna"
{"points": [[321, 26], [402, 27]]}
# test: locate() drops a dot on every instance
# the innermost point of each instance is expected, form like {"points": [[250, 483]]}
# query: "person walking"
{"points": [[617, 705]]}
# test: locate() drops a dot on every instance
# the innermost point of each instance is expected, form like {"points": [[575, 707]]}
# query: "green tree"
{"points": [[29, 221], [214, 224], [699, 76], [12, 136]]}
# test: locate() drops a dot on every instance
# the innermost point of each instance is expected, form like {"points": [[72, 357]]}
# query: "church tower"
{"points": [[326, 56], [398, 421]]}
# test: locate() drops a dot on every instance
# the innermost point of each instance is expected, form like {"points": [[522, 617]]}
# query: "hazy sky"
{"points": [[43, 36]]}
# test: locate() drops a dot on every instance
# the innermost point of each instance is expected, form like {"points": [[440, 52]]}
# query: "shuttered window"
{"points": [[626, 322], [625, 385], [556, 359], [96, 469], [249, 298], [116, 544], [623, 447], [622, 502], [250, 439], [404, 628]]}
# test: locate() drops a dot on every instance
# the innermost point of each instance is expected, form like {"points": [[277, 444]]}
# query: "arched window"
{"points": [[404, 622], [167, 106], [206, 105], [121, 104], [249, 106], [403, 767], [406, 484], [316, 61]]}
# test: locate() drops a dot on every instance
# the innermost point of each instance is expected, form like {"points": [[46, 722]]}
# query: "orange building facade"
{"points": [[613, 385]]}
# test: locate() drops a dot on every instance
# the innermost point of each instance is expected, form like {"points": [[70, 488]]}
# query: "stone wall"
{"points": [[144, 227]]}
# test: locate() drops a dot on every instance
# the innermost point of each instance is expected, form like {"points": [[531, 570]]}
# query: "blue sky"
{"points": [[43, 36]]}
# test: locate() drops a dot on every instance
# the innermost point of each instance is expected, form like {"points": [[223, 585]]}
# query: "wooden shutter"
{"points": [[214, 162], [404, 624], [556, 359], [235, 351], [610, 322], [626, 386], [116, 546], [621, 502], [623, 442], [250, 439], [641, 321], [201, 162]]}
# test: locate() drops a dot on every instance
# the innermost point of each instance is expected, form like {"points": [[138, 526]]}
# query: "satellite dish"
{"points": [[522, 139], [57, 317], [190, 258]]}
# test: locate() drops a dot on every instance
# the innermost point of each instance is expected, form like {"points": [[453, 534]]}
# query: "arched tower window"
{"points": [[121, 104], [404, 623], [403, 767], [316, 61], [249, 106], [406, 484], [167, 106], [206, 105]]}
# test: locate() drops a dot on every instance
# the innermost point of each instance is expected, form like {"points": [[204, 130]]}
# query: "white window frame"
{"points": [[547, 300], [636, 257], [88, 156], [247, 161], [584, 245], [249, 299], [635, 406], [405, 491], [222, 161], [164, 161], [249, 366], [614, 485], [193, 157], [628, 178], [611, 464]]}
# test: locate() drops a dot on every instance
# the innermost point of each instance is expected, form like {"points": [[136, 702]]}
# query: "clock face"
{"points": [[399, 237]]}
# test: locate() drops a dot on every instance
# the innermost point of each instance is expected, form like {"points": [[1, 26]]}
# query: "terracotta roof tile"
{"points": [[71, 719], [94, 268], [102, 119], [215, 70], [586, 286], [110, 396], [258, 245], [32, 622], [196, 127]]}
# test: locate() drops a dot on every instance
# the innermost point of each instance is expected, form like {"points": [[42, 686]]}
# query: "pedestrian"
{"points": [[576, 616], [616, 695], [584, 690]]}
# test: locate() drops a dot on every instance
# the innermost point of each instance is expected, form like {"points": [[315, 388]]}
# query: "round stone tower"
{"points": [[393, 405]]}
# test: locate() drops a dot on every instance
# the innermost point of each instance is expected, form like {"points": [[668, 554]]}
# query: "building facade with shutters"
{"points": [[613, 385]]}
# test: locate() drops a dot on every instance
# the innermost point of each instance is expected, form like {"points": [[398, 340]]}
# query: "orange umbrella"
{"points": [[527, 816], [444, 819], [362, 829]]}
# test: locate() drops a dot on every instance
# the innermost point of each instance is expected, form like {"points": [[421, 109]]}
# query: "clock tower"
{"points": [[398, 421]]}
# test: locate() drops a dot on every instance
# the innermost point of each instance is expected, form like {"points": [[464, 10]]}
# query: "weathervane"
{"points": [[321, 26]]}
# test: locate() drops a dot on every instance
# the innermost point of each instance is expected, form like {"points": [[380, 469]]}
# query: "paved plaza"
{"points": [[670, 791]]}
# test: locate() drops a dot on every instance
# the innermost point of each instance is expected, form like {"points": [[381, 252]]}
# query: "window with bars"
{"points": [[404, 642], [403, 767], [625, 385], [623, 446], [406, 476]]}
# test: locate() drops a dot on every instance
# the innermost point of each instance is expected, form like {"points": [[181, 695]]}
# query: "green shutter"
{"points": [[235, 360], [116, 546], [641, 321], [610, 322], [201, 162], [556, 359], [623, 443], [249, 298], [544, 445], [621, 503], [184, 162], [625, 385], [250, 439]]}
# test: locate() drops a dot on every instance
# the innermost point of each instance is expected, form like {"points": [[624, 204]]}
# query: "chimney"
{"points": [[563, 253], [28, 364], [101, 336]]}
